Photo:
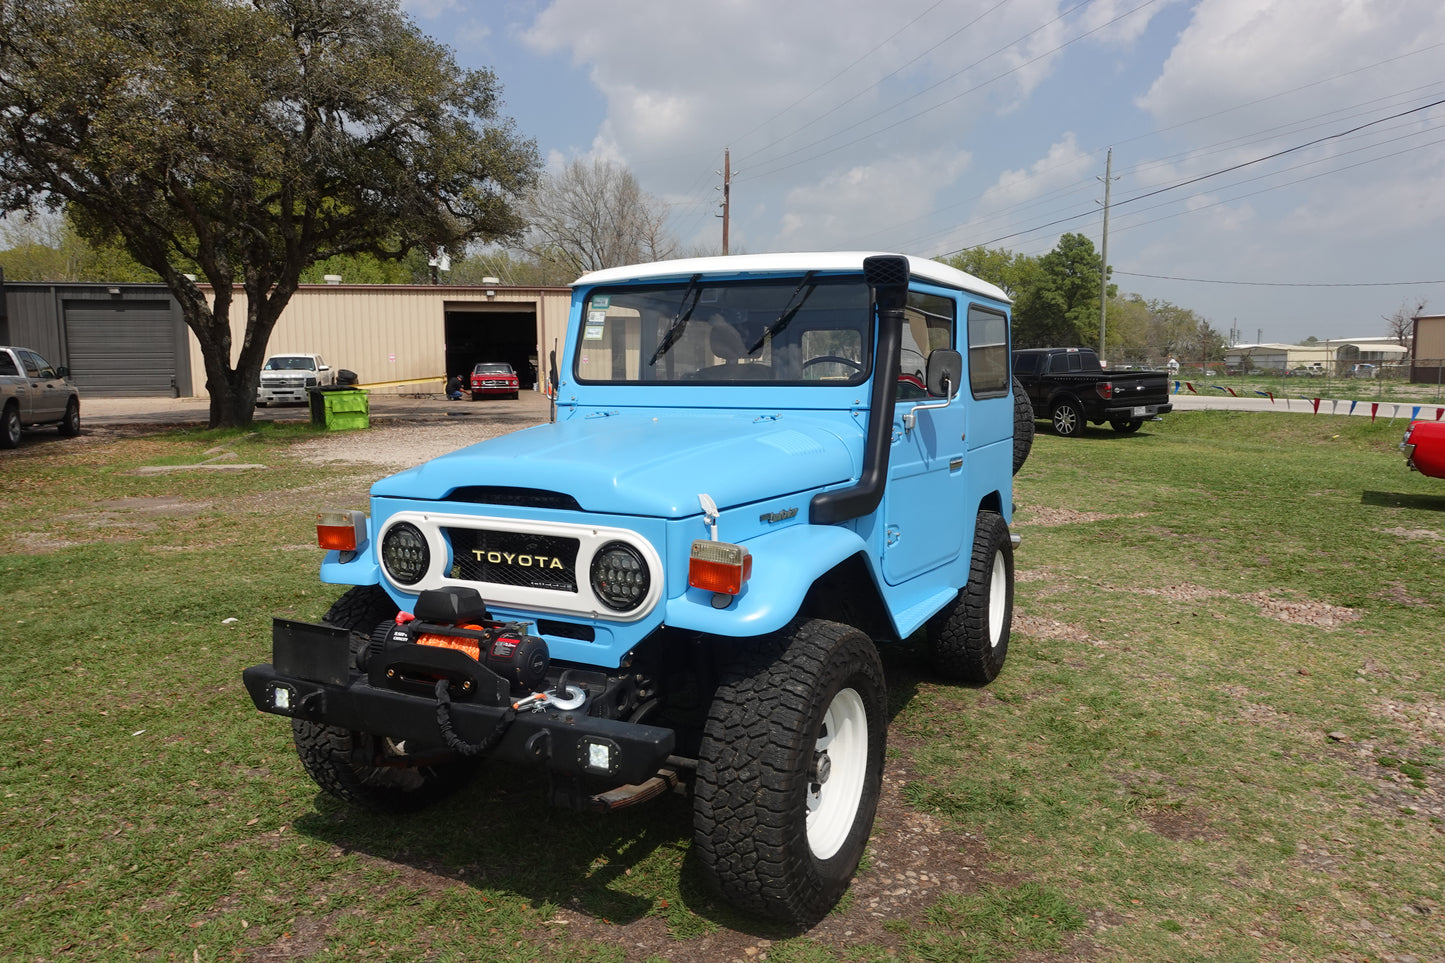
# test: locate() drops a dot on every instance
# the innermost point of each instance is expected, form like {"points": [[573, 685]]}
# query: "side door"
{"points": [[48, 393], [927, 462], [16, 382]]}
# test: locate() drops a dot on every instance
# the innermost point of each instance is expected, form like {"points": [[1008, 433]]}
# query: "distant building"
{"points": [[130, 339], [1332, 356], [1427, 360]]}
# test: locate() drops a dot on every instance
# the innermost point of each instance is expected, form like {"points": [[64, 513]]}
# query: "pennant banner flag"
{"points": [[1438, 413], [1415, 414], [1316, 403], [1220, 389], [1335, 406], [1191, 388], [1269, 395], [1352, 408]]}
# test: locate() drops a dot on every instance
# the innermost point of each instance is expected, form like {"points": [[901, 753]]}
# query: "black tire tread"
{"points": [[958, 635], [749, 805], [1024, 426]]}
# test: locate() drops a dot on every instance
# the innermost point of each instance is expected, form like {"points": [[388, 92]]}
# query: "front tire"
{"points": [[10, 427], [344, 762], [790, 770], [70, 424], [1068, 419], [968, 639]]}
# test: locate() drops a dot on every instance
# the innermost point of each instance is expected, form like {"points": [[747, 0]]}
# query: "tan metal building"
{"points": [[130, 339], [408, 338], [1427, 359]]}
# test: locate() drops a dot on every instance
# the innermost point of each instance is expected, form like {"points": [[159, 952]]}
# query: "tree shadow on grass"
{"points": [[500, 833]]}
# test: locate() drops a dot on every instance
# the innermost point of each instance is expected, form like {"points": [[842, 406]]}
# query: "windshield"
{"points": [[797, 331], [493, 369], [290, 364]]}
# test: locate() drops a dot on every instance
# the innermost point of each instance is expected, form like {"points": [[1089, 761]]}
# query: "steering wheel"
{"points": [[821, 359]]}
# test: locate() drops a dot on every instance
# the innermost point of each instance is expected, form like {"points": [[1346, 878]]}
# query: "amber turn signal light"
{"points": [[340, 531], [719, 567]]}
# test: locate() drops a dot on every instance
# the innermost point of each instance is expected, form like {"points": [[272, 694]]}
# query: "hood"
{"points": [[652, 463]]}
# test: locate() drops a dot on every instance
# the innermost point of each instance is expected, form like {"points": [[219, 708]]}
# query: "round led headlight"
{"points": [[619, 576], [404, 553]]}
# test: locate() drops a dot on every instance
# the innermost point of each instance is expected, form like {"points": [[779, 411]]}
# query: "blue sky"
{"points": [[926, 126]]}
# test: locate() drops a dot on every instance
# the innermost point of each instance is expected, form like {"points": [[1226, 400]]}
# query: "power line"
{"points": [[1203, 177], [1279, 284]]}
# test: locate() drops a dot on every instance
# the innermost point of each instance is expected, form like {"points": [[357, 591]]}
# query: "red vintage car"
{"points": [[494, 378], [1424, 447]]}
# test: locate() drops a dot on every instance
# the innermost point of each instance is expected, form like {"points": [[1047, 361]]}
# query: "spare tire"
{"points": [[1023, 426]]}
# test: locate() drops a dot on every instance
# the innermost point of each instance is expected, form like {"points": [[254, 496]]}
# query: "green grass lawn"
{"points": [[1220, 734]]}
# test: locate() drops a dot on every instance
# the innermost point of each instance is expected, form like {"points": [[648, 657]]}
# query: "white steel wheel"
{"points": [[998, 599], [840, 765]]}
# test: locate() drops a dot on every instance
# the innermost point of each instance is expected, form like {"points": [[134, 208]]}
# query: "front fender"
{"points": [[361, 570], [786, 563]]}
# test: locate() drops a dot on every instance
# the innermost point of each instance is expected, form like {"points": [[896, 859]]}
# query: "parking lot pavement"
{"points": [[528, 407]]}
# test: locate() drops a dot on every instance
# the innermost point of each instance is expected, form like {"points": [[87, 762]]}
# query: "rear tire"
{"points": [[968, 639], [10, 426], [343, 762], [1068, 419], [1024, 426], [790, 770], [70, 425]]}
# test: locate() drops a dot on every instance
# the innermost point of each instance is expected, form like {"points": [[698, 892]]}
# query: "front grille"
{"points": [[514, 558], [285, 382]]}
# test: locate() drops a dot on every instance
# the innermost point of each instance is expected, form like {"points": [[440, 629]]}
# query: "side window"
{"points": [[988, 370], [1026, 364], [928, 324], [7, 364]]}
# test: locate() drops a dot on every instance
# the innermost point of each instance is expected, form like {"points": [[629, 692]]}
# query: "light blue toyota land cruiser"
{"points": [[759, 469]]}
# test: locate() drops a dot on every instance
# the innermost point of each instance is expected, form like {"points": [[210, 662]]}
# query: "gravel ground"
{"points": [[402, 445]]}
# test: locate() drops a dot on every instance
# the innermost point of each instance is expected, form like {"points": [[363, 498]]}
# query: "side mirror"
{"points": [[62, 372], [945, 368]]}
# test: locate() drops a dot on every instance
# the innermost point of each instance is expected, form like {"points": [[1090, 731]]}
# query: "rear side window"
{"points": [[988, 361], [7, 364]]}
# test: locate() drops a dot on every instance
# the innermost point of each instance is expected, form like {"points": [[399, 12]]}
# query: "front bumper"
{"points": [[310, 677]]}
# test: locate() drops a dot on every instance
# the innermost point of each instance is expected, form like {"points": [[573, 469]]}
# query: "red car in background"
{"points": [[494, 378], [1424, 447]]}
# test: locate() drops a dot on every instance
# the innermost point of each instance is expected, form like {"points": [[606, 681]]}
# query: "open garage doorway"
{"points": [[493, 332]]}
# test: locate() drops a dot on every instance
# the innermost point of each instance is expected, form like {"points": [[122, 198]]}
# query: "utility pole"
{"points": [[1104, 253], [727, 184]]}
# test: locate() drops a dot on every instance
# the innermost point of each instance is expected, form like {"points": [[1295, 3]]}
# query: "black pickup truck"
{"points": [[1072, 388]]}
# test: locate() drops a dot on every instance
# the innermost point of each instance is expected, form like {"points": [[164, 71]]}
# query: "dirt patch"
{"points": [[1302, 612], [1048, 517], [913, 858]]}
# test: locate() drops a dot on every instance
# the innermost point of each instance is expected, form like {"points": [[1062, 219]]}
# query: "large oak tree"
{"points": [[242, 140]]}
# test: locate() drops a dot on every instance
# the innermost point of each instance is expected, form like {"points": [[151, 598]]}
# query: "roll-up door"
{"points": [[121, 347]]}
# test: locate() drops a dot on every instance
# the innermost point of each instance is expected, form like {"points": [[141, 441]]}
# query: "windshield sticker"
{"points": [[601, 302], [592, 332], [596, 317]]}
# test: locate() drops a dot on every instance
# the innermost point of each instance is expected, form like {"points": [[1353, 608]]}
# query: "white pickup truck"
{"points": [[286, 377], [32, 392]]}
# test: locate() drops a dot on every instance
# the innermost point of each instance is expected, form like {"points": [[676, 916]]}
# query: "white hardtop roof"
{"points": [[791, 263]]}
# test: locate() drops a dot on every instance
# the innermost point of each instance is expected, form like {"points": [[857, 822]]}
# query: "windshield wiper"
{"points": [[679, 320], [790, 311]]}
